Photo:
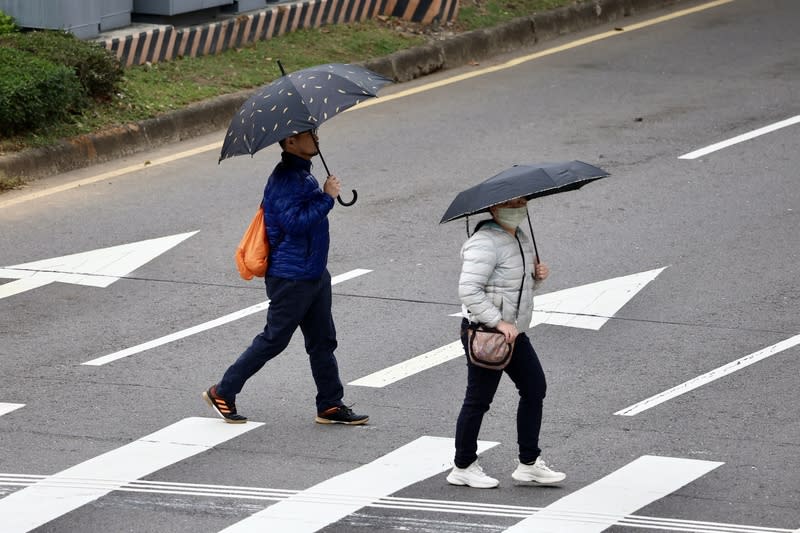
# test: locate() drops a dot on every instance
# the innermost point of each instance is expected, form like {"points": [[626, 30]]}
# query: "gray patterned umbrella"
{"points": [[297, 102]]}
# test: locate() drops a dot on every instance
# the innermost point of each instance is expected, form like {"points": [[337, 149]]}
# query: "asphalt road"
{"points": [[723, 449]]}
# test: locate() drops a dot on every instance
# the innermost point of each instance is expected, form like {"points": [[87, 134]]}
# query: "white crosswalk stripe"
{"points": [[57, 495], [311, 510], [454, 507], [602, 504]]}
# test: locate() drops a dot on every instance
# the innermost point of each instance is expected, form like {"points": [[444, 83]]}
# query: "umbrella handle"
{"points": [[339, 197], [351, 202]]}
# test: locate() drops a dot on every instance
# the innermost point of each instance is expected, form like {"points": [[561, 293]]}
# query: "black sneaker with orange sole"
{"points": [[341, 415], [224, 408]]}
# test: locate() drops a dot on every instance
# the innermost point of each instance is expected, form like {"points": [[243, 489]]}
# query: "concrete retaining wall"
{"points": [[163, 44]]}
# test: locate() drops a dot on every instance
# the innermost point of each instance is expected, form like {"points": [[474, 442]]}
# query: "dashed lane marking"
{"points": [[257, 308], [412, 366], [708, 377], [741, 138]]}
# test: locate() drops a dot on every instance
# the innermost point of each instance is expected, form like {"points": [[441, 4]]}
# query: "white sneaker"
{"points": [[472, 476], [538, 473]]}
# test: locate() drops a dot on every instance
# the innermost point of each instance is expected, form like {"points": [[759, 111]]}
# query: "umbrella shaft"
{"points": [[328, 172], [535, 250], [324, 164]]}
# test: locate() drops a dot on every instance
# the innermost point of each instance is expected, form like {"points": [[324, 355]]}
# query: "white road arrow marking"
{"points": [[6, 408], [589, 306], [605, 502], [57, 495], [586, 306], [96, 268], [253, 309], [313, 509]]}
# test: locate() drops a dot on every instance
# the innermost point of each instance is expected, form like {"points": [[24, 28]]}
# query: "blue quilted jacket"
{"points": [[296, 216]]}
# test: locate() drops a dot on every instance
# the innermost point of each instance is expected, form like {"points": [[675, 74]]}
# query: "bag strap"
{"points": [[522, 284], [522, 254]]}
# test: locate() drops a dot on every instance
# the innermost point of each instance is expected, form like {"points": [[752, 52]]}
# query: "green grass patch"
{"points": [[174, 84], [474, 14], [150, 90]]}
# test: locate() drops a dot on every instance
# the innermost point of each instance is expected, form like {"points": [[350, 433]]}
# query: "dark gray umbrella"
{"points": [[529, 181], [297, 102]]}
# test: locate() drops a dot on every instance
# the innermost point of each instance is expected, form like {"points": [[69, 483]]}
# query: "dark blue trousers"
{"points": [[293, 303], [527, 374]]}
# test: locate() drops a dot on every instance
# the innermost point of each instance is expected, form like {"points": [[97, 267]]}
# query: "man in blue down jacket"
{"points": [[298, 285]]}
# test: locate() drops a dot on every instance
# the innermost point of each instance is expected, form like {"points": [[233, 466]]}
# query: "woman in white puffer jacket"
{"points": [[499, 271]]}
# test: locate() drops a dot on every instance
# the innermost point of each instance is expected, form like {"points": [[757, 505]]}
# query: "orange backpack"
{"points": [[252, 253]]}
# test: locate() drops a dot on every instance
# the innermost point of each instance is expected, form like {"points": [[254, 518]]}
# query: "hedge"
{"points": [[7, 24], [35, 92], [97, 69]]}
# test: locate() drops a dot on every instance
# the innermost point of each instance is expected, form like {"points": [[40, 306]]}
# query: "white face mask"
{"points": [[510, 216]]}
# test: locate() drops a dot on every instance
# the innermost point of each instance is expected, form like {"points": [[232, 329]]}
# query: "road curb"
{"points": [[405, 65]]}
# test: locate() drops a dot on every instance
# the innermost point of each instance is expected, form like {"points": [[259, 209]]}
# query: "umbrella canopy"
{"points": [[530, 181], [297, 102]]}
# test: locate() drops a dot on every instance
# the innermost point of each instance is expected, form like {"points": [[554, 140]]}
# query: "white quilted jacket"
{"points": [[491, 274]]}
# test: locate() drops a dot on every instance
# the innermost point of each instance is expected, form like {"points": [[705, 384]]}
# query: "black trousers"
{"points": [[527, 374], [293, 304]]}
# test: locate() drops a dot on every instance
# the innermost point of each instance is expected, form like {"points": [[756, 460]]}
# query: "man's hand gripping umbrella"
{"points": [[298, 102]]}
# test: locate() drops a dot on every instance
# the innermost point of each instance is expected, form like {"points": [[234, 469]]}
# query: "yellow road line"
{"points": [[109, 175], [550, 51], [401, 94]]}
